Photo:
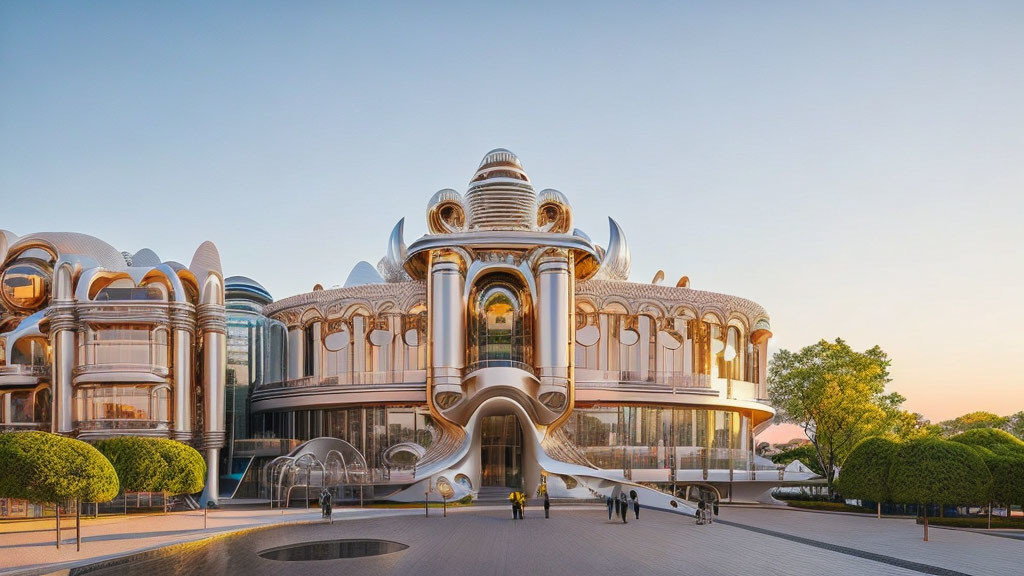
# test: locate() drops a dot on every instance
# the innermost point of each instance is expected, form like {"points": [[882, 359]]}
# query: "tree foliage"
{"points": [[155, 464], [935, 471], [805, 454], [186, 469], [139, 466], [43, 467], [1004, 456], [973, 420], [865, 474], [995, 440], [837, 395]]}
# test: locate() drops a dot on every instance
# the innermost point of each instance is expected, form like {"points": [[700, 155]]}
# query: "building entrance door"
{"points": [[501, 451]]}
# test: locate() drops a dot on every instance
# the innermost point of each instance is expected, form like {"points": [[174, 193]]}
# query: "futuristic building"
{"points": [[505, 348], [502, 349], [97, 343]]}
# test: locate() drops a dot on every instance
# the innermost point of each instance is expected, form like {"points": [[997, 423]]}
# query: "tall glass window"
{"points": [[500, 327]]}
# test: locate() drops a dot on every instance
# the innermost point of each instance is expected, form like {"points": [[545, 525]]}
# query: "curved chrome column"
{"points": [[213, 326], [447, 325], [184, 326], [62, 339], [553, 334]]}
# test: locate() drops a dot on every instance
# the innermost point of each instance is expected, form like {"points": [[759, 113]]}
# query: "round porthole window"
{"points": [[25, 286]]}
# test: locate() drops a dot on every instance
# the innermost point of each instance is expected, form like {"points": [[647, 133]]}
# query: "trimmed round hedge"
{"points": [[934, 471], [155, 464], [43, 467], [865, 474]]}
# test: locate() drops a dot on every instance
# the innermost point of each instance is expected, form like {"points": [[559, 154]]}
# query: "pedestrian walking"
{"points": [[547, 504], [623, 507], [636, 503], [611, 505]]}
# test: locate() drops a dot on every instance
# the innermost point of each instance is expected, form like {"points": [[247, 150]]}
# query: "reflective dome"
{"points": [[500, 196]]}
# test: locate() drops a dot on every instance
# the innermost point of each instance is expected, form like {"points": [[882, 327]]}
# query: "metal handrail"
{"points": [[497, 363]]}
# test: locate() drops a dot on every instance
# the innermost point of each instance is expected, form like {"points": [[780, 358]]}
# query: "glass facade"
{"points": [[370, 429], [631, 438]]}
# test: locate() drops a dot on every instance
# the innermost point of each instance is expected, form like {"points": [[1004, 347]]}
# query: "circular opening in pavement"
{"points": [[332, 550]]}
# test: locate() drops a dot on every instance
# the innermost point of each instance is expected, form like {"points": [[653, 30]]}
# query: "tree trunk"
{"points": [[926, 523], [56, 512], [78, 525], [879, 510]]}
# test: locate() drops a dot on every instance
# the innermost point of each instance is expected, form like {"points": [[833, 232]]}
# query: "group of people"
{"points": [[518, 500], [620, 506]]}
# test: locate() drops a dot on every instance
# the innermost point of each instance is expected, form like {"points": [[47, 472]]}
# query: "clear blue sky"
{"points": [[856, 168]]}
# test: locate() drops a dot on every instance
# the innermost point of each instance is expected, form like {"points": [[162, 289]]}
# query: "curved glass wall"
{"points": [[647, 442], [371, 429], [500, 326]]}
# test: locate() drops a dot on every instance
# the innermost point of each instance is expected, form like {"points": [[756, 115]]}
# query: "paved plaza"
{"points": [[481, 540]]}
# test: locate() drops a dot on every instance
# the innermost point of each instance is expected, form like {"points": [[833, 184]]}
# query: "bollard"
{"points": [[426, 504]]}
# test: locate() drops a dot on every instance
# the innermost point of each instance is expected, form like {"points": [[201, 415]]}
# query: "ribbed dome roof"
{"points": [[243, 288], [500, 196]]}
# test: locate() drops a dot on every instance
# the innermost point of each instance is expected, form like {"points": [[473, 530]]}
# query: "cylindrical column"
{"points": [[212, 325], [447, 326], [62, 334], [183, 326], [317, 348], [295, 352], [552, 336]]}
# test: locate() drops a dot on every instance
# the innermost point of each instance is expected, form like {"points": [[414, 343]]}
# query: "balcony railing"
{"points": [[22, 426], [120, 424], [352, 379], [590, 378], [134, 352], [34, 371], [494, 363]]}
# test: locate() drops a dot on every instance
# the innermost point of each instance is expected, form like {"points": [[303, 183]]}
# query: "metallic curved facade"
{"points": [[504, 317], [97, 343], [503, 348]]}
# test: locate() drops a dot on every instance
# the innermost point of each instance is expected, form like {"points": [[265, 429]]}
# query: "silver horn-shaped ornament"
{"points": [[392, 265], [615, 260]]}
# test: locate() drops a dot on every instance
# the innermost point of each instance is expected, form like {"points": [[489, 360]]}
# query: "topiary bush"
{"points": [[47, 468], [155, 464], [139, 466], [865, 474], [186, 468], [998, 441], [933, 471]]}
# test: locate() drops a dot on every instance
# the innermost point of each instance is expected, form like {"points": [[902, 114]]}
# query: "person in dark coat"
{"points": [[623, 506], [547, 504], [636, 503], [611, 505]]}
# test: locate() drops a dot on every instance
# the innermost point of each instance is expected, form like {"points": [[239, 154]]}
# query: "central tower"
{"points": [[500, 196]]}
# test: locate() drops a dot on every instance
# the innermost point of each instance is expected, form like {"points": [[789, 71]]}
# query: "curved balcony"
{"points": [[104, 427], [406, 386], [23, 426], [123, 361], [23, 374], [482, 364]]}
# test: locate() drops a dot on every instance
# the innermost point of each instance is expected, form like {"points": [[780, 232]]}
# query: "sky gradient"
{"points": [[858, 169]]}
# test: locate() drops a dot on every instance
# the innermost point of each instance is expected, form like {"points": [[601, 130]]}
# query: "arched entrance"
{"points": [[501, 451]]}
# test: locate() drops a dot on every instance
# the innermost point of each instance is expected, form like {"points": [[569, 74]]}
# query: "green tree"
{"points": [[1004, 456], [935, 471], [837, 395], [865, 474], [186, 468], [1016, 425], [909, 425], [139, 466], [155, 465], [971, 421], [805, 454], [47, 468]]}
